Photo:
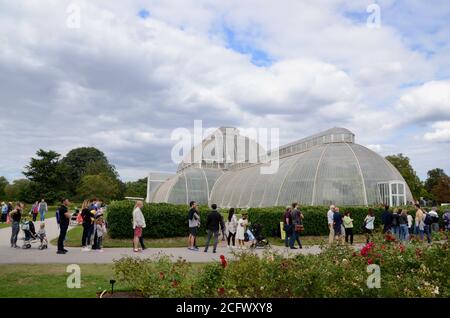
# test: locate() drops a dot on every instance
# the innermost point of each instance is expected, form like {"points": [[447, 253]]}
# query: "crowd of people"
{"points": [[235, 230]]}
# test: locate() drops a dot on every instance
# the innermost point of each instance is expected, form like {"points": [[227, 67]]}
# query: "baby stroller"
{"points": [[32, 237], [30, 234], [259, 240]]}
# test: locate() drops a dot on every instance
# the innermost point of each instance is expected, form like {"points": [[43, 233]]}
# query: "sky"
{"points": [[123, 75]]}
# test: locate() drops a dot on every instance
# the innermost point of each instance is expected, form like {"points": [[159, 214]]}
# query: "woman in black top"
{"points": [[87, 225], [16, 216]]}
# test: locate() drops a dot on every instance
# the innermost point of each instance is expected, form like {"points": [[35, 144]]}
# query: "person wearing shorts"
{"points": [[194, 223], [138, 225]]}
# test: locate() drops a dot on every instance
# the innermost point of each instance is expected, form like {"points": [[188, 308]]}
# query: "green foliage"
{"points": [[415, 270], [3, 183], [402, 163], [19, 190], [98, 186], [433, 178], [315, 218], [136, 189], [48, 176], [168, 220], [163, 220]]}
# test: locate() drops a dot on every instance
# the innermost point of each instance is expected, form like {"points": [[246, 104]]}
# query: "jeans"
{"points": [[396, 231], [216, 239], [295, 237], [86, 238], [288, 231], [404, 232], [349, 233], [62, 236], [427, 230], [435, 227], [14, 233], [141, 241], [100, 242], [420, 232], [42, 216], [231, 238]]}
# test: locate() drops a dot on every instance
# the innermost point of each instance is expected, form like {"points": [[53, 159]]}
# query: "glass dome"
{"points": [[323, 169]]}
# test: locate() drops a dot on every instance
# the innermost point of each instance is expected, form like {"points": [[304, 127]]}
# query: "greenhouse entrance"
{"points": [[392, 193]]}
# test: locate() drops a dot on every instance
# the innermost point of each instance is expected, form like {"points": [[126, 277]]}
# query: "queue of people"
{"points": [[235, 231]]}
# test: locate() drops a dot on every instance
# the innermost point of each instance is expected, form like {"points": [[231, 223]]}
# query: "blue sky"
{"points": [[134, 71]]}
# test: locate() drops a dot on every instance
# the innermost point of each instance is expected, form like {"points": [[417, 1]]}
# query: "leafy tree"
{"points": [[402, 163], [100, 186], [3, 183], [441, 191], [86, 161], [136, 188], [48, 175], [19, 190], [433, 179]]}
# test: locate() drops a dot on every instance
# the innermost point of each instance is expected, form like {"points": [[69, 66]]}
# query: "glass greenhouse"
{"points": [[323, 169]]}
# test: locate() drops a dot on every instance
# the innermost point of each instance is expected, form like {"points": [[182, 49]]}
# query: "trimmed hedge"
{"points": [[169, 220]]}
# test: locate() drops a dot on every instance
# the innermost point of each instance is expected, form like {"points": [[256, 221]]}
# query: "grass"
{"points": [[75, 234], [49, 281]]}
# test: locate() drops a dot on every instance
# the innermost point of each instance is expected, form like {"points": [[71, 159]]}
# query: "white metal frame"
{"points": [[392, 195]]}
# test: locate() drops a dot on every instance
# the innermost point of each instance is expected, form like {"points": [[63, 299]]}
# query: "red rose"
{"points": [[369, 261], [161, 275], [221, 291]]}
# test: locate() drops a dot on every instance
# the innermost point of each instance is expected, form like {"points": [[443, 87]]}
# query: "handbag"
{"points": [[299, 228]]}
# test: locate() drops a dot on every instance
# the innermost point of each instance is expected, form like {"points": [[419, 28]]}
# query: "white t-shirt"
{"points": [[410, 220], [369, 222], [330, 217]]}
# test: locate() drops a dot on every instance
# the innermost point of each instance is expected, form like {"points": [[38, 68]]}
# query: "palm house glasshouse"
{"points": [[322, 169]]}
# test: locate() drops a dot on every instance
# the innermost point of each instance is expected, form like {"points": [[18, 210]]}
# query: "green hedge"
{"points": [[168, 220]]}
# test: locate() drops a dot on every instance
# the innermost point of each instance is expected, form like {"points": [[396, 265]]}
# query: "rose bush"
{"points": [[413, 270]]}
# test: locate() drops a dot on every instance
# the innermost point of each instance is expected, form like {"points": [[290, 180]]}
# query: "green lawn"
{"points": [[74, 240], [49, 281]]}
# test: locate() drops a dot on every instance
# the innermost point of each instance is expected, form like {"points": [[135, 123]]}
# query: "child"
{"points": [[100, 228], [42, 235]]}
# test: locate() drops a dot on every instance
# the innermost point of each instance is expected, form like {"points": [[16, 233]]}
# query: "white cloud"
{"points": [[123, 84], [441, 132]]}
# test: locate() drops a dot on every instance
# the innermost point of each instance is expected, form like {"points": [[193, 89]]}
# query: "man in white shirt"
{"points": [[330, 224], [435, 218]]}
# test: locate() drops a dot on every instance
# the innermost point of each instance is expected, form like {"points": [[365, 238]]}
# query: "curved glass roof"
{"points": [[191, 184], [323, 169], [335, 173]]}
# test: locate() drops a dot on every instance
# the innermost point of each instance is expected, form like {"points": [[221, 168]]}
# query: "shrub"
{"points": [[415, 270], [169, 220]]}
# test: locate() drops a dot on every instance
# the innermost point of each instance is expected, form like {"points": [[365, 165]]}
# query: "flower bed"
{"points": [[415, 270]]}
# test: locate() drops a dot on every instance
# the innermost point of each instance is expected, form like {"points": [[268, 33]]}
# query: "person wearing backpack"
{"points": [[446, 218], [428, 220], [395, 225], [435, 220]]}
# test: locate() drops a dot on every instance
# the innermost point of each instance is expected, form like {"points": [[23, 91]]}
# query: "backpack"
{"points": [[428, 219], [447, 218]]}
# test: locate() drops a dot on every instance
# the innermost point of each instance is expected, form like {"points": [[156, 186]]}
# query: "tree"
{"points": [[3, 183], [19, 190], [99, 186], [86, 161], [136, 188], [403, 165], [433, 179], [441, 191], [48, 176]]}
